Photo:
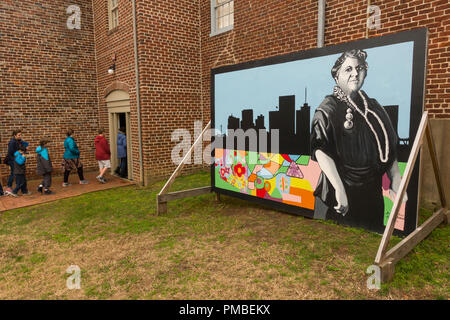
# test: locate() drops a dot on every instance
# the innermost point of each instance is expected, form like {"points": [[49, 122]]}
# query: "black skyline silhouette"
{"points": [[295, 127]]}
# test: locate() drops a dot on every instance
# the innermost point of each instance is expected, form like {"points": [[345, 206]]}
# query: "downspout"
{"points": [[138, 96], [321, 24]]}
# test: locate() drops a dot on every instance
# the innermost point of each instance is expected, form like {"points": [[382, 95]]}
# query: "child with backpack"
{"points": [[13, 146], [20, 171], [44, 167]]}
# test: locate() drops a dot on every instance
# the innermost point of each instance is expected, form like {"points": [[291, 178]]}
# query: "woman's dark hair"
{"points": [[69, 132], [361, 55], [122, 129], [22, 148], [16, 132], [101, 131], [43, 142]]}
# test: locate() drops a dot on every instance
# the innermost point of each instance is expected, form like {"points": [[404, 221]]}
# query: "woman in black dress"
{"points": [[355, 144]]}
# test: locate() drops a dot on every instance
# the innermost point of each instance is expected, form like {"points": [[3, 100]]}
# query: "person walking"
{"points": [[13, 146], [44, 167], [102, 155], [122, 153], [1, 187], [72, 159], [20, 172]]}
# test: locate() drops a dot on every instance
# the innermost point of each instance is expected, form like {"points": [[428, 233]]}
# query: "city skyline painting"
{"points": [[325, 133], [250, 89]]}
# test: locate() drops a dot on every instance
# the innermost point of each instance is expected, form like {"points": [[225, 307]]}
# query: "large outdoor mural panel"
{"points": [[328, 131]]}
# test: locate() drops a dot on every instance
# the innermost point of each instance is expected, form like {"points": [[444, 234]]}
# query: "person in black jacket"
{"points": [[44, 167], [13, 146], [1, 187], [19, 172]]}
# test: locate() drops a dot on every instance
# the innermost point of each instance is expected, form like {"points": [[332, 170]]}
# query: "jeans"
{"points": [[1, 189], [11, 176], [21, 184]]}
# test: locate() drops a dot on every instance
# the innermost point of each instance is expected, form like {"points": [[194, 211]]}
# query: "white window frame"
{"points": [[214, 28], [110, 14]]}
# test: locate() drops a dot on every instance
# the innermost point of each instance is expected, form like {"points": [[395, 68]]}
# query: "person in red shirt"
{"points": [[102, 155]]}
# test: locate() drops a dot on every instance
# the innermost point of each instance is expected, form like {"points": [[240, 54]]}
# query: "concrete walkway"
{"points": [[10, 202]]}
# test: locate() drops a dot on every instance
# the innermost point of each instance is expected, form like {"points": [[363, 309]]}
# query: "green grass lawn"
{"points": [[200, 249]]}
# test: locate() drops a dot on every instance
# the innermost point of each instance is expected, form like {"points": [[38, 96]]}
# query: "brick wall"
{"points": [[118, 42], [47, 77], [169, 58], [53, 78], [271, 27]]}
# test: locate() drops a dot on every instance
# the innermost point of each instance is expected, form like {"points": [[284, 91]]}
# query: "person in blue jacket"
{"points": [[19, 172], [1, 187], [44, 167], [13, 146], [72, 159], [122, 153]]}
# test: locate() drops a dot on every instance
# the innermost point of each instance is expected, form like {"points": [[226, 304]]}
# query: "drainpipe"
{"points": [[321, 24], [138, 96]]}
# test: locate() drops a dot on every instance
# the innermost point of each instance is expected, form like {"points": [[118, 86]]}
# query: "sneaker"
{"points": [[103, 180], [99, 178], [48, 192], [7, 192], [39, 189], [66, 184], [27, 193], [84, 182], [12, 194]]}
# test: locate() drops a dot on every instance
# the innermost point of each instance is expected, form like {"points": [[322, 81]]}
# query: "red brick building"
{"points": [[53, 77]]}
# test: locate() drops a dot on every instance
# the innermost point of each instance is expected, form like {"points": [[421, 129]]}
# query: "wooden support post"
{"points": [[387, 260], [447, 217], [161, 207], [183, 194], [163, 197], [402, 189], [408, 243], [434, 162], [387, 269]]}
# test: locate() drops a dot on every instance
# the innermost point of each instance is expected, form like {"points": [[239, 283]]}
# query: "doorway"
{"points": [[118, 104]]}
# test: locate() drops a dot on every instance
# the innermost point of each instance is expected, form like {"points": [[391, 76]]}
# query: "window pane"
{"points": [[226, 20], [115, 18], [226, 9]]}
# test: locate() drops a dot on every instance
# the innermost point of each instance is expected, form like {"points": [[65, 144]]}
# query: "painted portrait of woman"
{"points": [[355, 144]]}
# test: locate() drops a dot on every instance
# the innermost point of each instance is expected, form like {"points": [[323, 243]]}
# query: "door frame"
{"points": [[118, 101]]}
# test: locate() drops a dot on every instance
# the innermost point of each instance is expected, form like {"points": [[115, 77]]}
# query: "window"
{"points": [[113, 13], [222, 16]]}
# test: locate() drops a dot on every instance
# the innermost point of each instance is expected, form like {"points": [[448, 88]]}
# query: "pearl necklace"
{"points": [[364, 115]]}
